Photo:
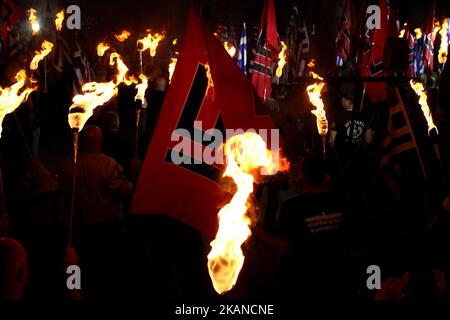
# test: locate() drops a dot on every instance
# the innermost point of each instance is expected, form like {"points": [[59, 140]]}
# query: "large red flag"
{"points": [[220, 96], [266, 52], [372, 62]]}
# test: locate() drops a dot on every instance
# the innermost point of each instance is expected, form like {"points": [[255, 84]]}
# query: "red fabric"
{"points": [[11, 13], [372, 64], [344, 48], [267, 51], [410, 38], [428, 53], [166, 188]]}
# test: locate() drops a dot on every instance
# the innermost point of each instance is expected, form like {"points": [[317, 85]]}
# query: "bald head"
{"points": [[91, 139], [160, 84]]}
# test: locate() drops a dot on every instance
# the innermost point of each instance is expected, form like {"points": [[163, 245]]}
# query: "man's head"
{"points": [[160, 84], [91, 139], [313, 170]]}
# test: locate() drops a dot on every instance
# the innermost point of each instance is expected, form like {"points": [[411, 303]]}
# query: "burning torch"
{"points": [[314, 93]]}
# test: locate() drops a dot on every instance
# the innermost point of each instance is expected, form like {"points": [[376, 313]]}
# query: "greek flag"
{"points": [[242, 57]]}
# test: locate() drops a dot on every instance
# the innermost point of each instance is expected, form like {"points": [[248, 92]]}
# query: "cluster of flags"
{"points": [[66, 53]]}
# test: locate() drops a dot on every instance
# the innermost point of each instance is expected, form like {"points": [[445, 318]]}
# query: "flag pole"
{"points": [[136, 134], [74, 184]]}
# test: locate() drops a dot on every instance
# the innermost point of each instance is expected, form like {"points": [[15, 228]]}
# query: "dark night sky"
{"points": [[106, 15], [102, 17]]}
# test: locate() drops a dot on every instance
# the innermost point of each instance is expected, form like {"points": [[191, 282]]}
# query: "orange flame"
{"points": [[175, 41], [436, 28], [97, 94], [102, 47], [35, 27], [123, 36], [151, 41], [59, 20], [122, 74], [443, 50], [40, 55], [172, 65], [141, 88], [230, 49], [314, 93], [10, 99], [418, 33], [94, 94], [402, 32], [421, 93], [244, 153], [281, 60]]}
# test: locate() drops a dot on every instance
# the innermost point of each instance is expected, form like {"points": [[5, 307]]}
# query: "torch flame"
{"points": [[141, 88], [436, 28], [102, 47], [314, 93], [122, 74], [96, 94], [123, 36], [175, 41], [151, 41], [173, 63], [418, 33], [244, 153], [40, 55], [443, 50], [421, 93], [281, 60], [10, 99], [59, 20], [402, 32], [230, 49], [35, 27]]}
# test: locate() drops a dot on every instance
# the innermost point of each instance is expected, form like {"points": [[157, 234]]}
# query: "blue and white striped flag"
{"points": [[242, 57]]}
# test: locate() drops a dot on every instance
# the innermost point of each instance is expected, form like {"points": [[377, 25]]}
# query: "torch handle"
{"points": [[136, 134], [74, 184], [324, 146]]}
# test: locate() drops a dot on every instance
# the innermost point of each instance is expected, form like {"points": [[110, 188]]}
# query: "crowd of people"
{"points": [[318, 227]]}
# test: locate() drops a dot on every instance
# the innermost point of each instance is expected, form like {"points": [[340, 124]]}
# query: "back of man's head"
{"points": [[313, 170], [91, 139], [160, 84]]}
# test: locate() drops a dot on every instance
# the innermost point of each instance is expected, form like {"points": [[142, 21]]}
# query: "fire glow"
{"points": [[59, 20], [40, 55], [421, 93], [122, 74], [402, 32], [443, 50], [35, 27], [230, 49], [151, 41], [172, 65], [102, 47], [123, 36], [10, 99], [314, 93], [281, 60], [141, 88], [97, 94], [244, 154], [418, 32]]}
